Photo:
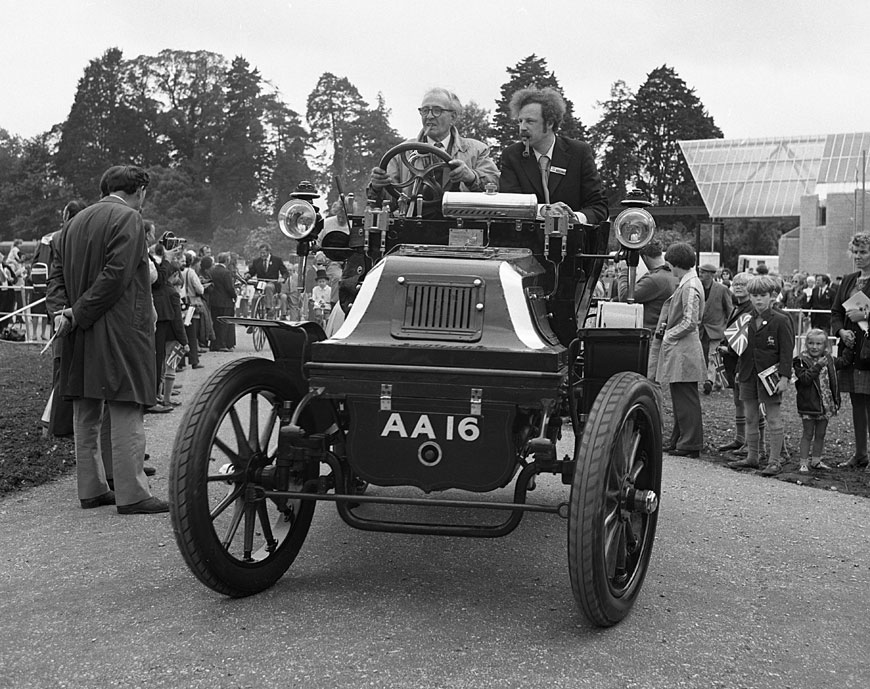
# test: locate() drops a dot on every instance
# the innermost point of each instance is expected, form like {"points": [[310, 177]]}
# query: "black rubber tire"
{"points": [[607, 571], [259, 311], [199, 442]]}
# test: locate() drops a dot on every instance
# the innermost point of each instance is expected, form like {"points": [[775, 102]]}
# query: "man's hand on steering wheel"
{"points": [[460, 172], [379, 179]]}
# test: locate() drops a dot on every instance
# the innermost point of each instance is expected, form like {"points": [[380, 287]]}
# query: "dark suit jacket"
{"points": [[717, 308], [579, 187], [223, 293], [276, 268], [821, 298]]}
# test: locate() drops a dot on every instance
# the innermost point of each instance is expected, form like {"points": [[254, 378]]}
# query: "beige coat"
{"points": [[678, 357]]}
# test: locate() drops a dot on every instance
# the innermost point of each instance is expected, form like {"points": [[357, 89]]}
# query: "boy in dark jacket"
{"points": [[763, 372], [818, 394]]}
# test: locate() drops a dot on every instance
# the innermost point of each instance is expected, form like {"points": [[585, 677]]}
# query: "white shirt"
{"points": [[445, 143]]}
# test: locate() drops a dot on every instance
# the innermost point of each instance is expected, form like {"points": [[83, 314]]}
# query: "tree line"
{"points": [[224, 150]]}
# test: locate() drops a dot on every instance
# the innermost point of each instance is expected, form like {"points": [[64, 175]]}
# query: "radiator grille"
{"points": [[440, 311]]}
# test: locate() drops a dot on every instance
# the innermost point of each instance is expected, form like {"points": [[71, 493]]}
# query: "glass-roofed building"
{"points": [[817, 179]]}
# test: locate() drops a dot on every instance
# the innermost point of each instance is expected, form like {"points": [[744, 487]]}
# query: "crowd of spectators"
{"points": [[757, 334], [214, 286]]}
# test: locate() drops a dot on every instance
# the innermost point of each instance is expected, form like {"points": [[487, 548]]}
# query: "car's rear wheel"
{"points": [[614, 498], [234, 540]]}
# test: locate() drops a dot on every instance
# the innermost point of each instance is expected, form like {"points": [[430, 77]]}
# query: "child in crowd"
{"points": [[763, 372], [818, 394], [732, 346], [177, 344], [321, 295]]}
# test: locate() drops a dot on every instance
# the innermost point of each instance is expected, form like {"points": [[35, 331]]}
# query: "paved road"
{"points": [[753, 583]]}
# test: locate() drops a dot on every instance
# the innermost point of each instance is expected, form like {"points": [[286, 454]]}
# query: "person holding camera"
{"points": [[99, 290]]}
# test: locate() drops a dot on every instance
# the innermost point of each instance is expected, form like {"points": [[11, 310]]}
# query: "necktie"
{"points": [[266, 265], [544, 164], [438, 144]]}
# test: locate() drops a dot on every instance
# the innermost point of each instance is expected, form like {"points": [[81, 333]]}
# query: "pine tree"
{"points": [[190, 88], [333, 107], [367, 140], [475, 123], [666, 111], [286, 140], [240, 163], [104, 127], [615, 140]]}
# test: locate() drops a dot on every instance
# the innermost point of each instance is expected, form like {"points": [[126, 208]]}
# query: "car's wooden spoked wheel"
{"points": [[615, 498], [234, 539]]}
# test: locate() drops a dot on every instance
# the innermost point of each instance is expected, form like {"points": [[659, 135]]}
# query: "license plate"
{"points": [[427, 426], [464, 237]]}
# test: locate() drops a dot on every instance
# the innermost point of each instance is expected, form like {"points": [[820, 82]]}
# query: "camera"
{"points": [[170, 241]]}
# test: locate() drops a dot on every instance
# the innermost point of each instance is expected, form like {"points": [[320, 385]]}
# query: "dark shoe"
{"points": [[178, 369], [203, 350], [668, 448], [733, 445], [147, 506], [107, 498], [854, 463], [708, 387], [741, 464], [224, 349], [694, 454], [158, 409], [741, 451], [198, 366], [772, 469]]}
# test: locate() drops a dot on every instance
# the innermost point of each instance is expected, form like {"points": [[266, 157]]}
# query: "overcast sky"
{"points": [[761, 67]]}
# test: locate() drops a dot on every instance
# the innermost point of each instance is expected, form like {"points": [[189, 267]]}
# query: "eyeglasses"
{"points": [[436, 111]]}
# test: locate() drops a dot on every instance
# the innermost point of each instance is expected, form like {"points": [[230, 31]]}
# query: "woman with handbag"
{"points": [[850, 324]]}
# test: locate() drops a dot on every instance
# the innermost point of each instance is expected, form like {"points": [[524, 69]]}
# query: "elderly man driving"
{"points": [[470, 167]]}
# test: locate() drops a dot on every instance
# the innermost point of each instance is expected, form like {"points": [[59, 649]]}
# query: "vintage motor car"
{"points": [[463, 356]]}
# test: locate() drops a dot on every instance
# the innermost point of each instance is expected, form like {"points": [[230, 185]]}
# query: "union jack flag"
{"points": [[737, 333]]}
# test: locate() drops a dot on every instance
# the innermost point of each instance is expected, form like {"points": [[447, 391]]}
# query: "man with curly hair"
{"points": [[561, 172]]}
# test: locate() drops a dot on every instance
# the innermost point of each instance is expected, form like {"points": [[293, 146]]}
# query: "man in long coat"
{"points": [[100, 292]]}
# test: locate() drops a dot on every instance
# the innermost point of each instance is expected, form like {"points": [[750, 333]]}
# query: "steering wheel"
{"points": [[422, 170]]}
